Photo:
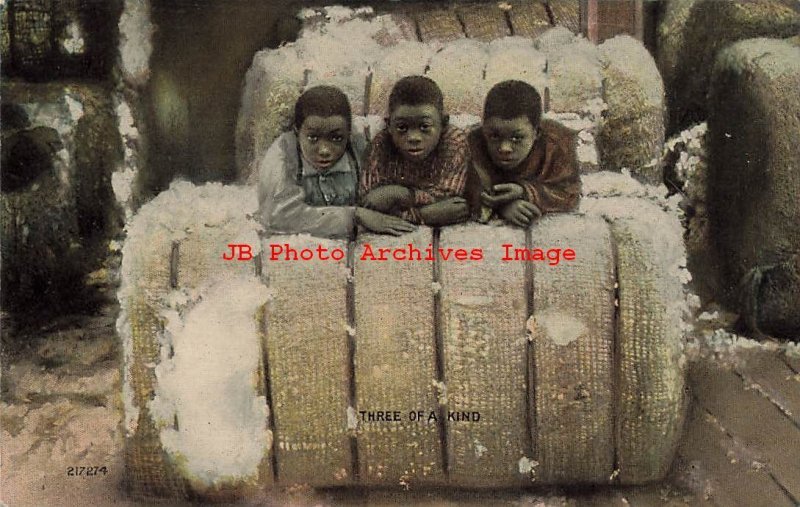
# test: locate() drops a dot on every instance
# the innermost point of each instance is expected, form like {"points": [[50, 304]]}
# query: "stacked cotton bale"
{"points": [[438, 25], [484, 22], [405, 59], [632, 132], [574, 77], [566, 13], [65, 39], [194, 425], [323, 55], [58, 155], [691, 34], [753, 180], [272, 85], [528, 19], [458, 70]]}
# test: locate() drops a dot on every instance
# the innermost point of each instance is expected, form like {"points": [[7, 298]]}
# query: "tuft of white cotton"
{"points": [[207, 404]]}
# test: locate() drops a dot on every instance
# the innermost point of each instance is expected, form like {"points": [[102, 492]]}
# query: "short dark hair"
{"points": [[511, 99], [416, 91], [322, 101]]}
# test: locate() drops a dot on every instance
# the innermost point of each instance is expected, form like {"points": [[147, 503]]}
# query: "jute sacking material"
{"points": [[528, 19], [753, 173], [692, 32], [573, 76], [395, 364], [483, 314], [307, 318], [151, 268], [573, 334], [439, 25], [484, 22], [580, 359], [632, 132]]}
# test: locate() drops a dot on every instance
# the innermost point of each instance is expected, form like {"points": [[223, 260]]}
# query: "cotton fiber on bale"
{"points": [[458, 70], [272, 85], [692, 32], [574, 75], [515, 58], [194, 425], [754, 173], [405, 59], [632, 132]]}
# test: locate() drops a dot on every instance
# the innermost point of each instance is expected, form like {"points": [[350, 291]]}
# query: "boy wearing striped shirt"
{"points": [[416, 167]]}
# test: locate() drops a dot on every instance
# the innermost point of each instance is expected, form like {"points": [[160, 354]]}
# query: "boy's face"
{"points": [[323, 140], [415, 130], [509, 141]]}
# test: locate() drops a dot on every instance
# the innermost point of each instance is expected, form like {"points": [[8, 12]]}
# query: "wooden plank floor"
{"points": [[740, 447]]}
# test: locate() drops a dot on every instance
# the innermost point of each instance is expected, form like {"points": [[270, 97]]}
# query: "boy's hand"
{"points": [[378, 222], [445, 212], [388, 198], [520, 212], [504, 193]]}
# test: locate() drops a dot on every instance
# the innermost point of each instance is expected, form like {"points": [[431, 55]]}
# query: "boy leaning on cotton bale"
{"points": [[522, 166], [308, 178], [417, 165]]}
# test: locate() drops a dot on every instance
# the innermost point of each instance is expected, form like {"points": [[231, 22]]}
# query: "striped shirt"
{"points": [[442, 174]]}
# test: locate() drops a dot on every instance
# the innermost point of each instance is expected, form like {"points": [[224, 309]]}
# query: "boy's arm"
{"points": [[557, 187], [282, 203]]}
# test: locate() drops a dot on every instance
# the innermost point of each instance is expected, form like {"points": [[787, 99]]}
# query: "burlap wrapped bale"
{"points": [[404, 59], [61, 39], [632, 132], [57, 197], [753, 183], [162, 324], [574, 74], [484, 22], [440, 25], [515, 58], [395, 364], [573, 334], [458, 70], [691, 34], [272, 85], [483, 314], [528, 19], [550, 40], [566, 13], [654, 315], [307, 324]]}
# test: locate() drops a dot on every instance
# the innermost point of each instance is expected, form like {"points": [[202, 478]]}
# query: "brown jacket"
{"points": [[549, 175]]}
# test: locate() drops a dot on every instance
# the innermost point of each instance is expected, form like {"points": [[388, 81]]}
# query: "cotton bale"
{"points": [[553, 38], [272, 85], [405, 59], [574, 74], [515, 58], [632, 132], [753, 164], [528, 19], [307, 318], [483, 22], [182, 328], [395, 364], [573, 335], [58, 156], [566, 13], [655, 313], [458, 70], [483, 315], [691, 34], [438, 25]]}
